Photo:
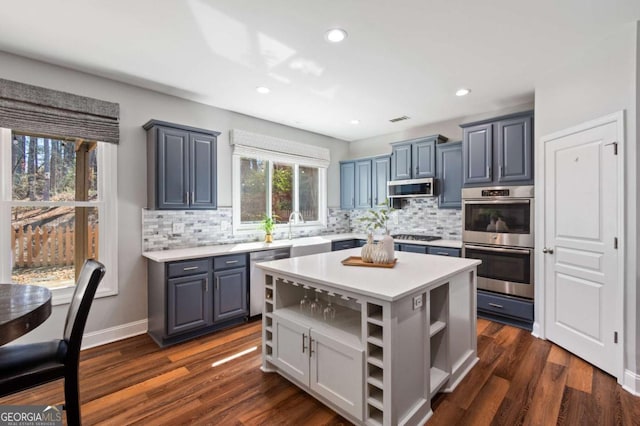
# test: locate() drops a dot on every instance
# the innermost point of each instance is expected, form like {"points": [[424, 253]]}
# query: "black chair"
{"points": [[26, 366]]}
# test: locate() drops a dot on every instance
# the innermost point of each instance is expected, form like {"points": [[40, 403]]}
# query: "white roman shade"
{"points": [[38, 110], [254, 145]]}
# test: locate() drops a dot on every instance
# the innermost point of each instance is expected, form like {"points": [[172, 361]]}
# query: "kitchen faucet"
{"points": [[295, 216]]}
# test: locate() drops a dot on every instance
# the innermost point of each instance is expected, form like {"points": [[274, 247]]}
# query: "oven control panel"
{"points": [[495, 192]]}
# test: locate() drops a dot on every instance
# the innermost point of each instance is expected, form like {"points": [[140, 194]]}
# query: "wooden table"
{"points": [[22, 308]]}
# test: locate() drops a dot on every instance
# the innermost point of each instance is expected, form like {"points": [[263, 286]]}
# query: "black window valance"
{"points": [[38, 110]]}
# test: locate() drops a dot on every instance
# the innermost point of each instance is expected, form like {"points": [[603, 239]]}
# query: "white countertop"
{"points": [[412, 272], [216, 250]]}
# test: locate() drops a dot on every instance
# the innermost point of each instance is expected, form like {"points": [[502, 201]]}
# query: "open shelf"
{"points": [[375, 416], [375, 397], [438, 379], [346, 326], [436, 327]]}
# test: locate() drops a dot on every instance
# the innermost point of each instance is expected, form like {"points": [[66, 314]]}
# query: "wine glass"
{"points": [[316, 306], [329, 311], [305, 302]]}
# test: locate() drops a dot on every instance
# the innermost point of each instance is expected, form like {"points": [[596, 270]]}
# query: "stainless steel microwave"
{"points": [[411, 188]]}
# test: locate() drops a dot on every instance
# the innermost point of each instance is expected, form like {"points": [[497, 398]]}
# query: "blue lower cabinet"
{"points": [[343, 245], [444, 251], [414, 248], [505, 309]]}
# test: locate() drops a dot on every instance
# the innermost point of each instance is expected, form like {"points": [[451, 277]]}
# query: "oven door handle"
{"points": [[493, 201], [498, 250]]}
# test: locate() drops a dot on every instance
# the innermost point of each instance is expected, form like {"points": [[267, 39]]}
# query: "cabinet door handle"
{"points": [[489, 171], [417, 170], [495, 305], [187, 198], [217, 283], [310, 346], [376, 201], [442, 253], [501, 171], [190, 268], [229, 262], [193, 196], [304, 339], [206, 285]]}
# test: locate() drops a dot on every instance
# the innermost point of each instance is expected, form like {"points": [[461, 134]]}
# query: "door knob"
{"points": [[547, 250]]}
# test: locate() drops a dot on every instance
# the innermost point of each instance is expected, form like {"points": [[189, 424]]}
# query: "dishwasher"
{"points": [[256, 276]]}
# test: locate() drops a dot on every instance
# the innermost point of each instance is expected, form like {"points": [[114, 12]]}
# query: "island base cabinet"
{"points": [[326, 366]]}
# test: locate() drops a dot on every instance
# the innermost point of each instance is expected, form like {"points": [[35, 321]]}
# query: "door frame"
{"points": [[540, 286]]}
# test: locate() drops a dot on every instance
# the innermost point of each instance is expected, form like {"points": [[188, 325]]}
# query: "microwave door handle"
{"points": [[498, 250]]}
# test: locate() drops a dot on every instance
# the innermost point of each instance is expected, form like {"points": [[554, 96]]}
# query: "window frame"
{"points": [[107, 213], [252, 227]]}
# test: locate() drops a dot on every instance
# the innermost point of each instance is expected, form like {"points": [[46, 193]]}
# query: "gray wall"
{"points": [[598, 81], [379, 145], [137, 106]]}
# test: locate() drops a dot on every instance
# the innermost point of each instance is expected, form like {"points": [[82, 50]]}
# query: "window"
{"points": [[57, 204], [277, 188]]}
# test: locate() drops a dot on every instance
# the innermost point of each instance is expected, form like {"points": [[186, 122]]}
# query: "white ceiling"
{"points": [[402, 57]]}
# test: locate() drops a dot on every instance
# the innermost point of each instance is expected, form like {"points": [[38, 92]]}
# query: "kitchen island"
{"points": [[399, 335]]}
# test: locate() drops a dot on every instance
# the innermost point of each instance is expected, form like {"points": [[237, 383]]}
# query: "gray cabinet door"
{"points": [[188, 303], [230, 294], [381, 175], [424, 159], [449, 167], [363, 184], [401, 162], [172, 168], [202, 171], [515, 150], [347, 184], [478, 154]]}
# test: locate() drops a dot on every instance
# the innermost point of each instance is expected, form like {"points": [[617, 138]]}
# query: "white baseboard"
{"points": [[536, 331], [113, 334], [631, 382]]}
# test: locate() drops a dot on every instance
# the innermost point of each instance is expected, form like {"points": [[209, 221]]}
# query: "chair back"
{"points": [[90, 276]]}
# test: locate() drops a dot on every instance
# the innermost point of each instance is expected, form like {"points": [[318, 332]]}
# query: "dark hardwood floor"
{"points": [[519, 380]]}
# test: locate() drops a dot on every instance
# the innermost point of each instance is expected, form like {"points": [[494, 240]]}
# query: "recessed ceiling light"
{"points": [[463, 92], [335, 35], [263, 90], [355, 122]]}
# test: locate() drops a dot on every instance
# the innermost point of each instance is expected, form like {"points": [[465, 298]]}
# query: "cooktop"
{"points": [[416, 237]]}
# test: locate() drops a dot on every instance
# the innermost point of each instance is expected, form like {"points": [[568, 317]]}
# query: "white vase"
{"points": [[380, 254], [367, 250], [388, 246]]}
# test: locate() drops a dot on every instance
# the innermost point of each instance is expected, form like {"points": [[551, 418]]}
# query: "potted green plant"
{"points": [[267, 224]]}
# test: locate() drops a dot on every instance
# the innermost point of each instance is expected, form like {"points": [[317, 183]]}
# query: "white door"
{"points": [[291, 348], [337, 373], [582, 309]]}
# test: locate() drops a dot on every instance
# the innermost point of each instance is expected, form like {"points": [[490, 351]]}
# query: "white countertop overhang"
{"points": [[413, 272]]}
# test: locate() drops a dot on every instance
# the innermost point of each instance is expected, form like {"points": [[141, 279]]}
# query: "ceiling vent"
{"points": [[395, 120]]}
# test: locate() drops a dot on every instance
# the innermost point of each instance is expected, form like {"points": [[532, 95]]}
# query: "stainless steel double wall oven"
{"points": [[498, 229]]}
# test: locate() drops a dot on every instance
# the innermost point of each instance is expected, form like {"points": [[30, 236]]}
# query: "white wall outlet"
{"points": [[417, 302], [177, 228]]}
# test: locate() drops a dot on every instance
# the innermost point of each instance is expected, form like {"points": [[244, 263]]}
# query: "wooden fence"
{"points": [[49, 246]]}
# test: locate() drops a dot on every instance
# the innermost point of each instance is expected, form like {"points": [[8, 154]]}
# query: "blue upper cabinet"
{"points": [[401, 161], [181, 166], [347, 184], [424, 159], [478, 153], [498, 151], [363, 184], [449, 167], [415, 158], [381, 174], [515, 150]]}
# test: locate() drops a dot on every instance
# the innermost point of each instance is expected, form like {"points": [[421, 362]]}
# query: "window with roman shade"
{"points": [[38, 110]]}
